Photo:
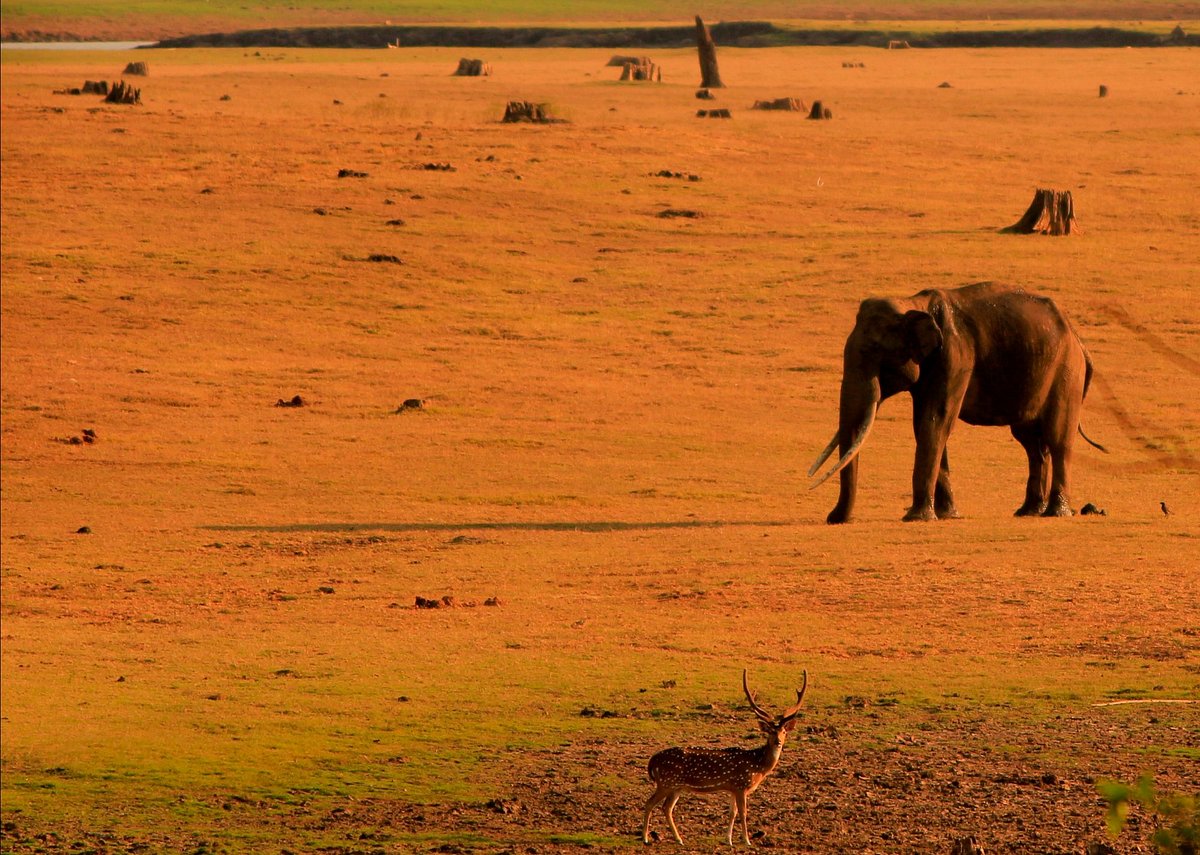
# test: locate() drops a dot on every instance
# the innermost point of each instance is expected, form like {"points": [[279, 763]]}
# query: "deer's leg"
{"points": [[655, 800], [732, 816], [671, 817], [741, 799]]}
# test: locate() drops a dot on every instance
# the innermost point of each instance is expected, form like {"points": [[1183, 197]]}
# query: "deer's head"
{"points": [[778, 727]]}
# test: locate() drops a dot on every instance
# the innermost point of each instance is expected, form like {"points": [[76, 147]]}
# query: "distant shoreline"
{"points": [[731, 34]]}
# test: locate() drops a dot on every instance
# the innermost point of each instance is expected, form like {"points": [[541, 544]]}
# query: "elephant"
{"points": [[986, 353]]}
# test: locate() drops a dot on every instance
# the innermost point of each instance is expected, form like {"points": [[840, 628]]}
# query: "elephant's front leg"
{"points": [[931, 471]]}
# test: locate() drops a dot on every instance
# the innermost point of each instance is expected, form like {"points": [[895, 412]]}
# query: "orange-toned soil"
{"points": [[620, 409]]}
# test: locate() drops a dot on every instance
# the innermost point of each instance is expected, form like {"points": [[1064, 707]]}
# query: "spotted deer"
{"points": [[736, 771]]}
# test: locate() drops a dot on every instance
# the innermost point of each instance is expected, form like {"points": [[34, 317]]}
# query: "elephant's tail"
{"points": [[1087, 381], [1091, 441]]}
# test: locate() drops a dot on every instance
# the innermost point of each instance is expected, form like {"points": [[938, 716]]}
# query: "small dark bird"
{"points": [[1166, 511]]}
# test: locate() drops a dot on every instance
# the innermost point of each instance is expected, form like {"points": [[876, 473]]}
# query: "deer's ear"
{"points": [[787, 728]]}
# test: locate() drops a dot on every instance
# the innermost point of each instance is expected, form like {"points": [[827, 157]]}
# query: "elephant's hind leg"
{"points": [[943, 496], [1060, 436], [1037, 487]]}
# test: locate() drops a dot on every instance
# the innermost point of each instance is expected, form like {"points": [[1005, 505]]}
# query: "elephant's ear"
{"points": [[922, 334]]}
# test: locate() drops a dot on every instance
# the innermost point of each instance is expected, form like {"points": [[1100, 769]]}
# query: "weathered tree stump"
{"points": [[123, 93], [1052, 212], [710, 76], [820, 111], [528, 111], [139, 69], [966, 846], [644, 70], [95, 87], [719, 113], [1103, 91], [473, 68], [794, 105]]}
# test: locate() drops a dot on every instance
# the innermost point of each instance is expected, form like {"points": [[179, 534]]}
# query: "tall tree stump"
{"points": [[123, 93], [139, 69], [95, 87], [645, 69], [473, 68], [710, 76], [1052, 212]]}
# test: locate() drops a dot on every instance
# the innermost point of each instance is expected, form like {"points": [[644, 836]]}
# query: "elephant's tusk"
{"points": [[824, 455], [851, 452]]}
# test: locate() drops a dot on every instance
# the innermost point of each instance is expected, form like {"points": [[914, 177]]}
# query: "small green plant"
{"points": [[1179, 831]]}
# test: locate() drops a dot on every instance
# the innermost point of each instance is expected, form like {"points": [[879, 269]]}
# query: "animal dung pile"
{"points": [[678, 213], [794, 105], [820, 111], [137, 69], [718, 113], [350, 173], [123, 93], [667, 173], [294, 401], [1052, 212], [643, 69], [449, 602], [704, 95], [528, 111], [473, 68]]}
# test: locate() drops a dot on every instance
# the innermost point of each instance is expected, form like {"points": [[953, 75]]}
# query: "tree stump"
{"points": [[123, 93], [898, 44], [643, 70], [1103, 91], [966, 846], [719, 113], [820, 111], [794, 105], [710, 76], [473, 68], [528, 111], [95, 87], [1052, 212], [139, 69]]}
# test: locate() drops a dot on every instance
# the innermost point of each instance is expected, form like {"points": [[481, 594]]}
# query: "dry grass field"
{"points": [[620, 409]]}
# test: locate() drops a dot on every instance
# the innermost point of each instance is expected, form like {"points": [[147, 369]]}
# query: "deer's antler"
{"points": [[794, 710], [762, 714]]}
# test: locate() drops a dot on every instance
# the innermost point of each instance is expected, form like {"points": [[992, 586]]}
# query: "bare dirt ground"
{"points": [[209, 634]]}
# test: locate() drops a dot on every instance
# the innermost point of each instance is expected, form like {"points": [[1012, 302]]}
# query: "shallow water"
{"points": [[73, 45]]}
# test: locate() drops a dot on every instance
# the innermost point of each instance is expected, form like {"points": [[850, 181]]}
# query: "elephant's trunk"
{"points": [[859, 402]]}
